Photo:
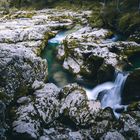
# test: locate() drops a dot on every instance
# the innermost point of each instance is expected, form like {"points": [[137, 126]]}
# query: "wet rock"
{"points": [[131, 91]]}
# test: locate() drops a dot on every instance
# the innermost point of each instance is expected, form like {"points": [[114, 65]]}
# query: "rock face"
{"points": [[46, 112], [34, 112], [23, 35], [19, 69], [52, 113], [89, 53], [132, 87]]}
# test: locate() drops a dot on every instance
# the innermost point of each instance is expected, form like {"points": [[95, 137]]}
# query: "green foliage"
{"points": [[109, 15], [95, 19], [128, 22]]}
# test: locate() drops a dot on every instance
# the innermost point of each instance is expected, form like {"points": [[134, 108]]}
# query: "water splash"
{"points": [[112, 96], [93, 94], [58, 38]]}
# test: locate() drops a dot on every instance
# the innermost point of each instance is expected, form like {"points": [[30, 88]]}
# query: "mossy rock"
{"points": [[47, 36]]}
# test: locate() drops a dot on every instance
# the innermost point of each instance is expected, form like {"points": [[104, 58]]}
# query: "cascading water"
{"points": [[111, 92]]}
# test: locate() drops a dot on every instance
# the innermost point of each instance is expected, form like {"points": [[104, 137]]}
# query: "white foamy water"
{"points": [[93, 94], [58, 38], [112, 97]]}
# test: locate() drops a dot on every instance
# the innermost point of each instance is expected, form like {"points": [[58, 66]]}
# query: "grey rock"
{"points": [[41, 109], [20, 67], [113, 136], [76, 108]]}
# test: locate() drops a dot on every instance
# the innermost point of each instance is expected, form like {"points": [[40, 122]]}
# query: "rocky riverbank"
{"points": [[33, 109]]}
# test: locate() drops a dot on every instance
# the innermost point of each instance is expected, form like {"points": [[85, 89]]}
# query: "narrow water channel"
{"points": [[57, 74]]}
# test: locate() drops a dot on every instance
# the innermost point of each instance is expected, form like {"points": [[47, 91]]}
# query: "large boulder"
{"points": [[19, 68], [75, 107], [35, 112]]}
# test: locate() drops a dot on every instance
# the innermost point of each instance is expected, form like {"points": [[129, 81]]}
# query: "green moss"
{"points": [[129, 22], [47, 36], [95, 19], [23, 15]]}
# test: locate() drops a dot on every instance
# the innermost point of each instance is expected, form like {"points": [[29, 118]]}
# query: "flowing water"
{"points": [[109, 93], [57, 74]]}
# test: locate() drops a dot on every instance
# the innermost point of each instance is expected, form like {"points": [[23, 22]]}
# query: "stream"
{"points": [[57, 74], [109, 93]]}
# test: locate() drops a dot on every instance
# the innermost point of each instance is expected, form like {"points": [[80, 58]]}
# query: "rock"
{"points": [[23, 100], [37, 85], [104, 122], [35, 112], [135, 36], [75, 135], [130, 124], [23, 35], [87, 53], [20, 67], [76, 108], [131, 91], [113, 136]]}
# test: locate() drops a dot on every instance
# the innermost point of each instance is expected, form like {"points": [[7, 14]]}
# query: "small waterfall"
{"points": [[113, 96], [111, 92], [58, 38], [93, 94]]}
